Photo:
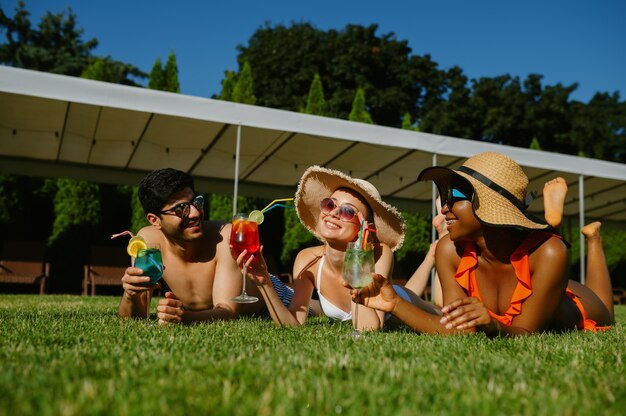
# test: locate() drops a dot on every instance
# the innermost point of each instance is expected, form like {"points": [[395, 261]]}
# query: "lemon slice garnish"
{"points": [[256, 216], [134, 245]]}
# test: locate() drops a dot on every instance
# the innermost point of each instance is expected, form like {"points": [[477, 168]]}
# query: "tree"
{"points": [[109, 70], [599, 128], [75, 205], [170, 74], [407, 124], [165, 78], [294, 238], [156, 78], [534, 144], [359, 109], [138, 218], [285, 59], [243, 91], [315, 103], [228, 85], [55, 46]]}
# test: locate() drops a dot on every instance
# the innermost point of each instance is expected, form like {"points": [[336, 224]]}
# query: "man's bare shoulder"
{"points": [[151, 234]]}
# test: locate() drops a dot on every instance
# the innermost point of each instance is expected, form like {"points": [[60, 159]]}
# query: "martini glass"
{"points": [[358, 266], [244, 235]]}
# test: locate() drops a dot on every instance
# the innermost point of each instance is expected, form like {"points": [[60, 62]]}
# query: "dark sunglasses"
{"points": [[451, 196], [183, 209], [346, 212]]}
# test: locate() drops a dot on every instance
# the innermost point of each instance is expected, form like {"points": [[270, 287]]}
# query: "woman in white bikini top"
{"points": [[327, 203]]}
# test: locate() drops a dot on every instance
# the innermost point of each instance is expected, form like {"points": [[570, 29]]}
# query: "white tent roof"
{"points": [[53, 125]]}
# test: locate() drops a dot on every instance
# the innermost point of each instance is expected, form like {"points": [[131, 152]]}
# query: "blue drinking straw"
{"points": [[278, 205]]}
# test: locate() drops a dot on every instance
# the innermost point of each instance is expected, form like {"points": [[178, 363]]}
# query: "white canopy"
{"points": [[54, 125]]}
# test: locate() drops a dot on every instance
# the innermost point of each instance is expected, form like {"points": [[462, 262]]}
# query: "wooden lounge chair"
{"points": [[619, 296], [23, 262], [106, 268]]}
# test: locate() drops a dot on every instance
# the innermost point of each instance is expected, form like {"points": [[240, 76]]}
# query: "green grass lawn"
{"points": [[72, 355]]}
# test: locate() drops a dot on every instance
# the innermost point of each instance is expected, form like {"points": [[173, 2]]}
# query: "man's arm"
{"points": [[135, 297], [133, 303]]}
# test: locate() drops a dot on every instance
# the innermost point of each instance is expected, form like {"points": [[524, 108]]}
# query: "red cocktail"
{"points": [[244, 235]]}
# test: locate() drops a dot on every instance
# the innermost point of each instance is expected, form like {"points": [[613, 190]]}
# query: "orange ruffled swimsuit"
{"points": [[466, 277]]}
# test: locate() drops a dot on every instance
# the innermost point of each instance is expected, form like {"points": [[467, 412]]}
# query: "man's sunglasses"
{"points": [[452, 195], [183, 209], [346, 212]]}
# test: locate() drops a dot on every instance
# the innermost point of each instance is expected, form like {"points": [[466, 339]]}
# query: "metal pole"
{"points": [[581, 220], [433, 231], [237, 148]]}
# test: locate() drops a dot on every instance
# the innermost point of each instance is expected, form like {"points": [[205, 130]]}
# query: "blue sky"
{"points": [[565, 41]]}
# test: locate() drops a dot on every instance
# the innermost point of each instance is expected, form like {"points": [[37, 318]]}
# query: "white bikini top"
{"points": [[329, 308]]}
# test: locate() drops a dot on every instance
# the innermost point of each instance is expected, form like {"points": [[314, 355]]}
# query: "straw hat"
{"points": [[499, 186], [318, 183]]}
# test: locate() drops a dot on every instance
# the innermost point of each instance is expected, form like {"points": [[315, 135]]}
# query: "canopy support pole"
{"points": [[236, 185], [581, 220], [433, 231]]}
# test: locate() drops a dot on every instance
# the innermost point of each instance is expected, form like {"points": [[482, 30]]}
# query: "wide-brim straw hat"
{"points": [[318, 183], [500, 189]]}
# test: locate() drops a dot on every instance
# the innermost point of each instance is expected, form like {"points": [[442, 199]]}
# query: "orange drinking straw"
{"points": [[274, 201]]}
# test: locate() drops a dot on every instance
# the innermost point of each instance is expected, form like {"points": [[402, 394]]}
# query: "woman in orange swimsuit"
{"points": [[502, 272]]}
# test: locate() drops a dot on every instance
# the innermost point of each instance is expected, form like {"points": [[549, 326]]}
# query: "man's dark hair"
{"points": [[157, 187]]}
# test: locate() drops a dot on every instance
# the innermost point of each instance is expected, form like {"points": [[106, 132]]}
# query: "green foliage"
{"points": [[220, 207], [170, 74], [406, 122], [76, 204], [9, 197], [73, 355], [108, 70], [228, 85], [157, 78], [286, 58], [359, 109], [315, 103], [56, 46], [295, 237], [599, 128], [243, 91], [502, 109], [165, 78], [138, 218], [613, 241], [534, 144], [418, 235]]}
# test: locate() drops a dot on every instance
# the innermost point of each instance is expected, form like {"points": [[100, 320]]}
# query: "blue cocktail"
{"points": [[149, 260]]}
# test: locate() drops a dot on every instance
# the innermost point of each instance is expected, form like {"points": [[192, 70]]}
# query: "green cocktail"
{"points": [[358, 266]]}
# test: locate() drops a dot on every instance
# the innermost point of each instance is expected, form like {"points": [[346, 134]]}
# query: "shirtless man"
{"points": [[198, 264]]}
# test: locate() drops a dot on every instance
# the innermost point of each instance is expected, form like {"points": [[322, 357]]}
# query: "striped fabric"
{"points": [[284, 292]]}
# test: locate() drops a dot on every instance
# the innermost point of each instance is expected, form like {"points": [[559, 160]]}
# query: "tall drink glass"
{"points": [[358, 266], [244, 235], [150, 261]]}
